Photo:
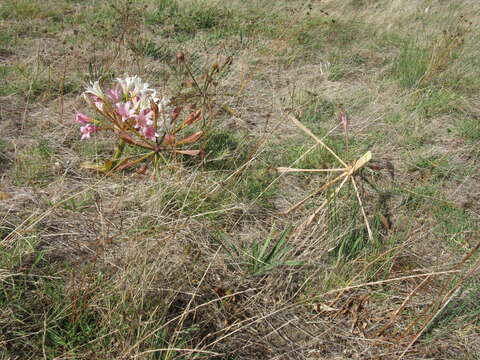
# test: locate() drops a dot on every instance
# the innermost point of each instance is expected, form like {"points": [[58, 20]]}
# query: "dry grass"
{"points": [[126, 266]]}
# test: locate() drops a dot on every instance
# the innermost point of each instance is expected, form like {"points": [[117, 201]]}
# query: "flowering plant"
{"points": [[139, 117]]}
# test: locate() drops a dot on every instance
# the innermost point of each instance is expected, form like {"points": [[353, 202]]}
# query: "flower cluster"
{"points": [[139, 117], [128, 106]]}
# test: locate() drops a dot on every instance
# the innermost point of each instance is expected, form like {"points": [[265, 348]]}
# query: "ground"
{"points": [[202, 259]]}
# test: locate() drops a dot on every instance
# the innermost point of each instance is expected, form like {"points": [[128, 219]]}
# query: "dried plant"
{"points": [[347, 172]]}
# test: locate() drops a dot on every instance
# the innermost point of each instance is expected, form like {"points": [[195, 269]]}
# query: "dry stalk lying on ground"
{"points": [[347, 173]]}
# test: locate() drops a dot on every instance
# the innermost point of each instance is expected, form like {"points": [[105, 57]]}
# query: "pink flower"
{"points": [[82, 118], [88, 130], [114, 94], [149, 132], [123, 109], [144, 119], [98, 102]]}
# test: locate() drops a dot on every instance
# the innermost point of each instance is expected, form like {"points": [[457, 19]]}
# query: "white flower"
{"points": [[95, 90], [126, 84], [134, 86], [141, 89]]}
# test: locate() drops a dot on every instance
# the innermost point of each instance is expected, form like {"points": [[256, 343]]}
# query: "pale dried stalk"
{"points": [[332, 195], [401, 307], [324, 187], [379, 282], [370, 236], [348, 173], [445, 285], [307, 131], [309, 220], [190, 311], [288, 170], [427, 324], [177, 349]]}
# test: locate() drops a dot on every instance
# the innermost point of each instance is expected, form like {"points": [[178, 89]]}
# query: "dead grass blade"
{"points": [[348, 173], [394, 316], [446, 299], [192, 310], [308, 132], [344, 121], [284, 170], [369, 230], [330, 198], [386, 281], [322, 188], [168, 350]]}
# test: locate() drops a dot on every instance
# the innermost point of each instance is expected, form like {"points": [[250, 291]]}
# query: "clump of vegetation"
{"points": [[417, 66], [262, 256], [187, 20], [139, 118]]}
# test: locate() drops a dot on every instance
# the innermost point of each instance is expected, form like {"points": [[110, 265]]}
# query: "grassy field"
{"points": [[204, 260]]}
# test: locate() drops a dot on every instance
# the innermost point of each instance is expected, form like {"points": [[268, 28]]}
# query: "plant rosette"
{"points": [[139, 117]]}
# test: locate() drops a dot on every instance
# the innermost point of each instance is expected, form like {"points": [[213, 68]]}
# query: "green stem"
{"points": [[118, 151]]}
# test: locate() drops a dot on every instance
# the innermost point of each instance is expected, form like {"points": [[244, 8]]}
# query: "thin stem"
{"points": [[330, 197], [119, 150], [306, 130], [324, 187], [288, 170], [370, 236]]}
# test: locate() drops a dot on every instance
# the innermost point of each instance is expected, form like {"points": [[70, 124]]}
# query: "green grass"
{"points": [[151, 49], [92, 150], [344, 33], [193, 201], [225, 151], [79, 203], [22, 9], [316, 159], [5, 159], [60, 309], [33, 166], [7, 39], [6, 88], [436, 102], [255, 183], [53, 319], [463, 309], [410, 64], [469, 128], [35, 82], [455, 224], [347, 226], [437, 168], [186, 21], [420, 195], [317, 110], [262, 256]]}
